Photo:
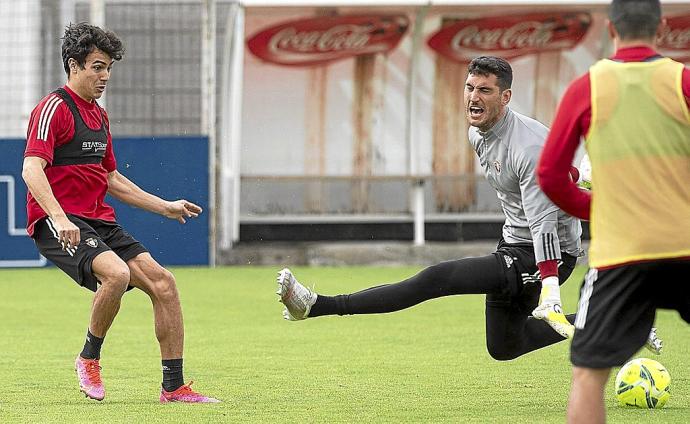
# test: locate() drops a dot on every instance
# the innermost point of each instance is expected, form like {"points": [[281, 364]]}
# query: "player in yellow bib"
{"points": [[633, 111]]}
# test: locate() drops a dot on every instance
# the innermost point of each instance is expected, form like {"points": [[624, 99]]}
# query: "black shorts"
{"points": [[97, 236], [522, 278], [618, 306]]}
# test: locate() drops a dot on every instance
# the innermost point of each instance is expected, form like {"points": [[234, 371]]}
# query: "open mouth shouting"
{"points": [[475, 111]]}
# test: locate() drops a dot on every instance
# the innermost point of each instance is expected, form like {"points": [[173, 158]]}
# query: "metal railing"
{"points": [[426, 199]]}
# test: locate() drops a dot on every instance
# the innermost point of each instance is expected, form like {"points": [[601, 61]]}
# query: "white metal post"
{"points": [[231, 129], [208, 113], [417, 188], [418, 202], [97, 18], [30, 62], [236, 140]]}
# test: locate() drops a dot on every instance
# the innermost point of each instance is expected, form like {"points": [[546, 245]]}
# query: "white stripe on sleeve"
{"points": [[46, 116], [46, 106]]}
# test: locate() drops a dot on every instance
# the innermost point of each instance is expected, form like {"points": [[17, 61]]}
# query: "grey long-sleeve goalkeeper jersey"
{"points": [[509, 153]]}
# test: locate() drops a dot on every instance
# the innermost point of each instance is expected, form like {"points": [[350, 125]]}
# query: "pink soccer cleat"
{"points": [[185, 394], [89, 374]]}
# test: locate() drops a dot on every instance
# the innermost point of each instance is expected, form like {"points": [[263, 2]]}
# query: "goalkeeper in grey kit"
{"points": [[537, 251]]}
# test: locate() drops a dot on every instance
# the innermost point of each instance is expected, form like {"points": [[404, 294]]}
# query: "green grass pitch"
{"points": [[424, 364]]}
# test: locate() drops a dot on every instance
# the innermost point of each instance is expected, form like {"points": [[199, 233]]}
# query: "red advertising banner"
{"points": [[510, 36], [674, 40], [316, 41]]}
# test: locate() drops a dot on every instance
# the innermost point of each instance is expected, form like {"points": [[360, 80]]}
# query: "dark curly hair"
{"points": [[81, 39], [488, 65]]}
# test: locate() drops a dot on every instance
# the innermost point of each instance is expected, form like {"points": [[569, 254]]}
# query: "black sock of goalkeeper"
{"points": [[92, 346], [172, 374]]}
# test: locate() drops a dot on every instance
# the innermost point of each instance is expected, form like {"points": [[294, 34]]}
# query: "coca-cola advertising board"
{"points": [[317, 41], [510, 36], [674, 39]]}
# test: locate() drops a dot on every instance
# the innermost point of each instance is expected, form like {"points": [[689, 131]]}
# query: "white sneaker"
{"points": [[297, 299], [654, 344], [552, 314]]}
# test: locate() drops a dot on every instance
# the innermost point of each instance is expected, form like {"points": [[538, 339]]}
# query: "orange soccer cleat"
{"points": [[185, 394]]}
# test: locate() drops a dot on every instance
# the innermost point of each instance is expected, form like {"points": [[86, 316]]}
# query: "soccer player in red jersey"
{"points": [[633, 110], [69, 166]]}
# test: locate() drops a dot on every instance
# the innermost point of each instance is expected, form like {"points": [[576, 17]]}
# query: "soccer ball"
{"points": [[644, 383]]}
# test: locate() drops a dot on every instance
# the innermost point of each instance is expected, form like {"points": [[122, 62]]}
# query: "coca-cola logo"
{"points": [[510, 36], [317, 41], [676, 34]]}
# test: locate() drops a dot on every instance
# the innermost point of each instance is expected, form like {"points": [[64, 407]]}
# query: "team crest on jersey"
{"points": [[497, 166], [91, 242]]}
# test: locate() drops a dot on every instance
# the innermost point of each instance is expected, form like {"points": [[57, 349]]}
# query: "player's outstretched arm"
{"points": [[124, 190]]}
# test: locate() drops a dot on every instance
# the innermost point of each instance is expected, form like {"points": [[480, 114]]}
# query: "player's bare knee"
{"points": [[165, 287], [116, 279]]}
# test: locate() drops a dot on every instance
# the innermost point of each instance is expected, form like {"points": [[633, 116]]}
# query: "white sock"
{"points": [[550, 291]]}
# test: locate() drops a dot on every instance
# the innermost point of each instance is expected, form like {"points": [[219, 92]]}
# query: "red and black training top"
{"points": [[73, 136]]}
